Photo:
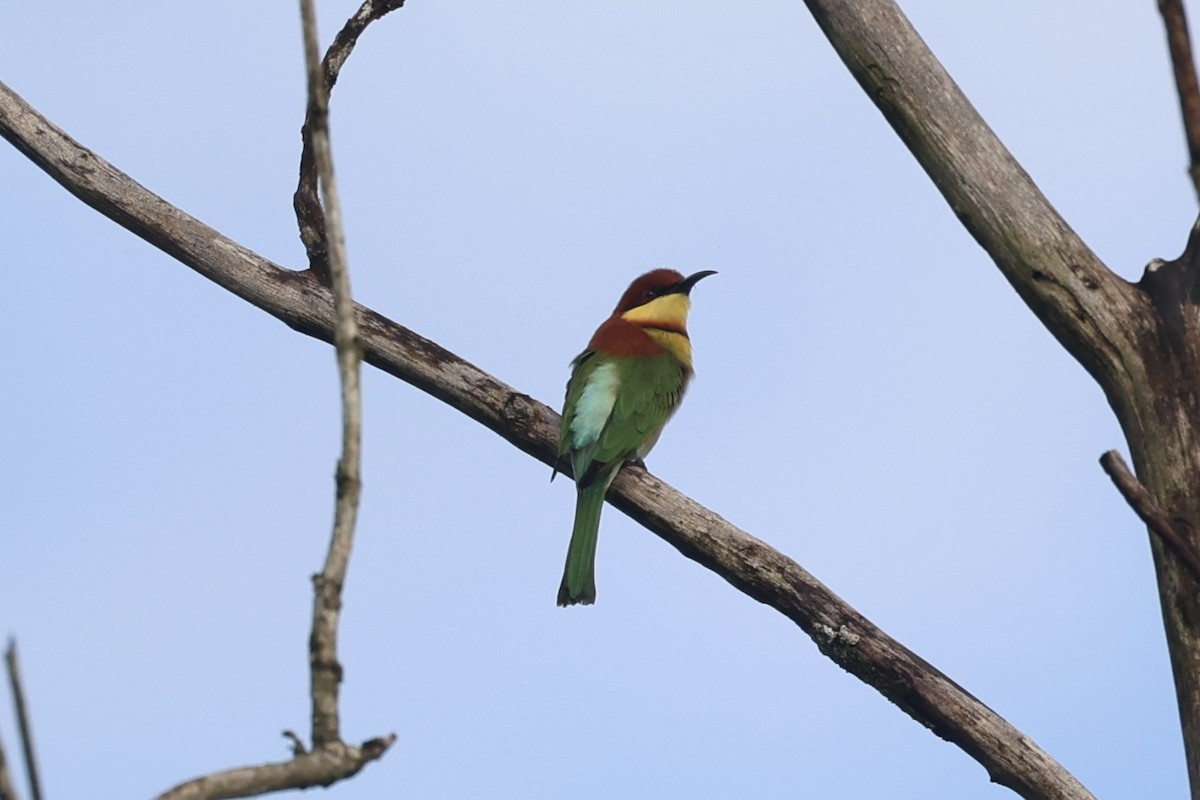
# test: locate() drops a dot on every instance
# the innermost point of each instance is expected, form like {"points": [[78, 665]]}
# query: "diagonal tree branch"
{"points": [[24, 727], [751, 566], [1070, 290], [1179, 43]]}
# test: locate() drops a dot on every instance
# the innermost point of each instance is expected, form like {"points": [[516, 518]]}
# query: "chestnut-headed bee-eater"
{"points": [[623, 389]]}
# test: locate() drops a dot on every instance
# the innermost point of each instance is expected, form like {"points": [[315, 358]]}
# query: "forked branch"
{"points": [[330, 759]]}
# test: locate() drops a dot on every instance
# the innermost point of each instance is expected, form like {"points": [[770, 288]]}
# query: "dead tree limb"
{"points": [[330, 759], [316, 768], [1055, 272], [327, 600]]}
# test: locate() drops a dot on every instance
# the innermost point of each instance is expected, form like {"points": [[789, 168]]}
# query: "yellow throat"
{"points": [[664, 319]]}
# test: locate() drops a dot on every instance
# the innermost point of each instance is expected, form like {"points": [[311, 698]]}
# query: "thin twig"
{"points": [[1179, 42], [1150, 512], [23, 725], [305, 201], [327, 602], [298, 746]]}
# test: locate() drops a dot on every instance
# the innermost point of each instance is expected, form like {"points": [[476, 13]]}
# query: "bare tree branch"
{"points": [[330, 759], [327, 600], [24, 727], [750, 565], [305, 200], [1079, 300], [1150, 512], [1179, 42]]}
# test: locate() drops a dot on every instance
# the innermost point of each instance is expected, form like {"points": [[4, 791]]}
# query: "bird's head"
{"points": [[661, 295]]}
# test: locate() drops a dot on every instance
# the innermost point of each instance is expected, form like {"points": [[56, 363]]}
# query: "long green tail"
{"points": [[579, 575]]}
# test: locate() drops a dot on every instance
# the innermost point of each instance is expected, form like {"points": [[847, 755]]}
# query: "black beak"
{"points": [[685, 285]]}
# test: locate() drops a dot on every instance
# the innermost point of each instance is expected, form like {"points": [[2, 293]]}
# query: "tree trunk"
{"points": [[1160, 417]]}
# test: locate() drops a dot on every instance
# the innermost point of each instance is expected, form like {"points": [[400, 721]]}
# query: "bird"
{"points": [[623, 388]]}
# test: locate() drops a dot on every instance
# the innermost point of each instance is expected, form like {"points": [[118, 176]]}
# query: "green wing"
{"points": [[581, 370], [648, 393]]}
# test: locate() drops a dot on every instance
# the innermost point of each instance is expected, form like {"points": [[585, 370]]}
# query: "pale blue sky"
{"points": [[872, 398]]}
